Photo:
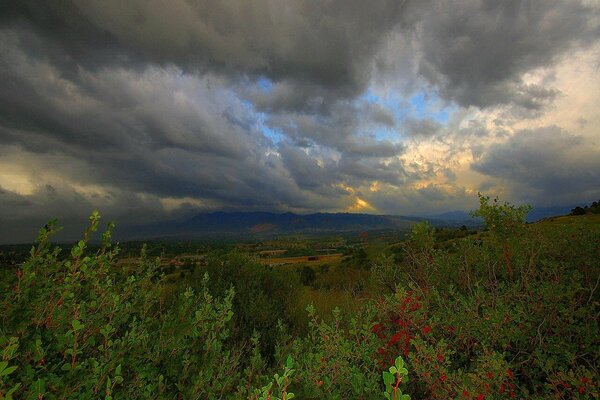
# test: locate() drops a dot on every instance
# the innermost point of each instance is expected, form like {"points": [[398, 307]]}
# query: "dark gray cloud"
{"points": [[545, 165], [159, 133], [426, 127], [347, 128], [164, 133], [326, 43], [22, 215], [226, 104], [473, 51], [476, 51]]}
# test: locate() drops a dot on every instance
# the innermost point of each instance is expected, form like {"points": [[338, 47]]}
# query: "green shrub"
{"points": [[506, 313], [86, 329]]}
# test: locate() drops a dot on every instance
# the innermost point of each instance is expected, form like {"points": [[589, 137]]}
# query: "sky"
{"points": [[151, 110]]}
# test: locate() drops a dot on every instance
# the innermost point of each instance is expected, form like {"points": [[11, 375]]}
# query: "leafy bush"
{"points": [[506, 313], [505, 223], [87, 330], [80, 327]]}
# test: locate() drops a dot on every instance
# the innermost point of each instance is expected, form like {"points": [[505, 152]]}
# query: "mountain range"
{"points": [[261, 224], [237, 225]]}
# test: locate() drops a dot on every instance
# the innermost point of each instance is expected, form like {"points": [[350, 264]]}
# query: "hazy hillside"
{"points": [[248, 224]]}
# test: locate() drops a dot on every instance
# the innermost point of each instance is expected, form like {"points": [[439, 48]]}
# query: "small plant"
{"points": [[9, 352], [393, 378], [278, 389]]}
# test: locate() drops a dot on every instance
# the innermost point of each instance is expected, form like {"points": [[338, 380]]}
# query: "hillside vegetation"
{"points": [[509, 312]]}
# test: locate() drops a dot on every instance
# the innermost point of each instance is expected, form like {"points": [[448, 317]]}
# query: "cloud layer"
{"points": [[158, 110]]}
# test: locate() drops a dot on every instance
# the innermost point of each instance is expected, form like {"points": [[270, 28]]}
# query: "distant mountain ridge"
{"points": [[221, 224], [239, 224]]}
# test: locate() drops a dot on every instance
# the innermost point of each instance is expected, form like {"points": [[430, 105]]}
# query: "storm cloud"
{"points": [[544, 165], [157, 110]]}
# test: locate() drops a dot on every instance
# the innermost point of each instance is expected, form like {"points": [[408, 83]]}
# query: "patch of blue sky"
{"points": [[419, 104], [260, 118], [381, 132], [386, 133], [265, 84], [275, 135], [393, 102], [370, 97], [429, 105]]}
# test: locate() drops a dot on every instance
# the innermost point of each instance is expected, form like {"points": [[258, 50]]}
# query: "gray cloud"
{"points": [[163, 133], [347, 128], [545, 165], [476, 51], [283, 41], [167, 134], [259, 105], [473, 51], [22, 215], [421, 127]]}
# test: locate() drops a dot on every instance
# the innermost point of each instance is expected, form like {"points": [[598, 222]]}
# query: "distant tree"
{"points": [[578, 211], [503, 221], [423, 236]]}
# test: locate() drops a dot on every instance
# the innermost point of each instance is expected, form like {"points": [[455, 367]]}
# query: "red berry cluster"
{"points": [[401, 326]]}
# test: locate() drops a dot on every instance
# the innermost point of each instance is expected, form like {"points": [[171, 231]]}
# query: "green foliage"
{"points": [[422, 236], [418, 254], [593, 208], [502, 219], [506, 313], [336, 359], [469, 328], [393, 378], [505, 222], [87, 330], [263, 294], [278, 388], [307, 275], [8, 354], [578, 211]]}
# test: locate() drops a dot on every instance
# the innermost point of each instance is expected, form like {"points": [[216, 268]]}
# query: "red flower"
{"points": [[581, 389], [440, 357], [584, 380], [466, 393], [509, 373], [426, 329], [443, 378], [480, 397], [490, 375]]}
